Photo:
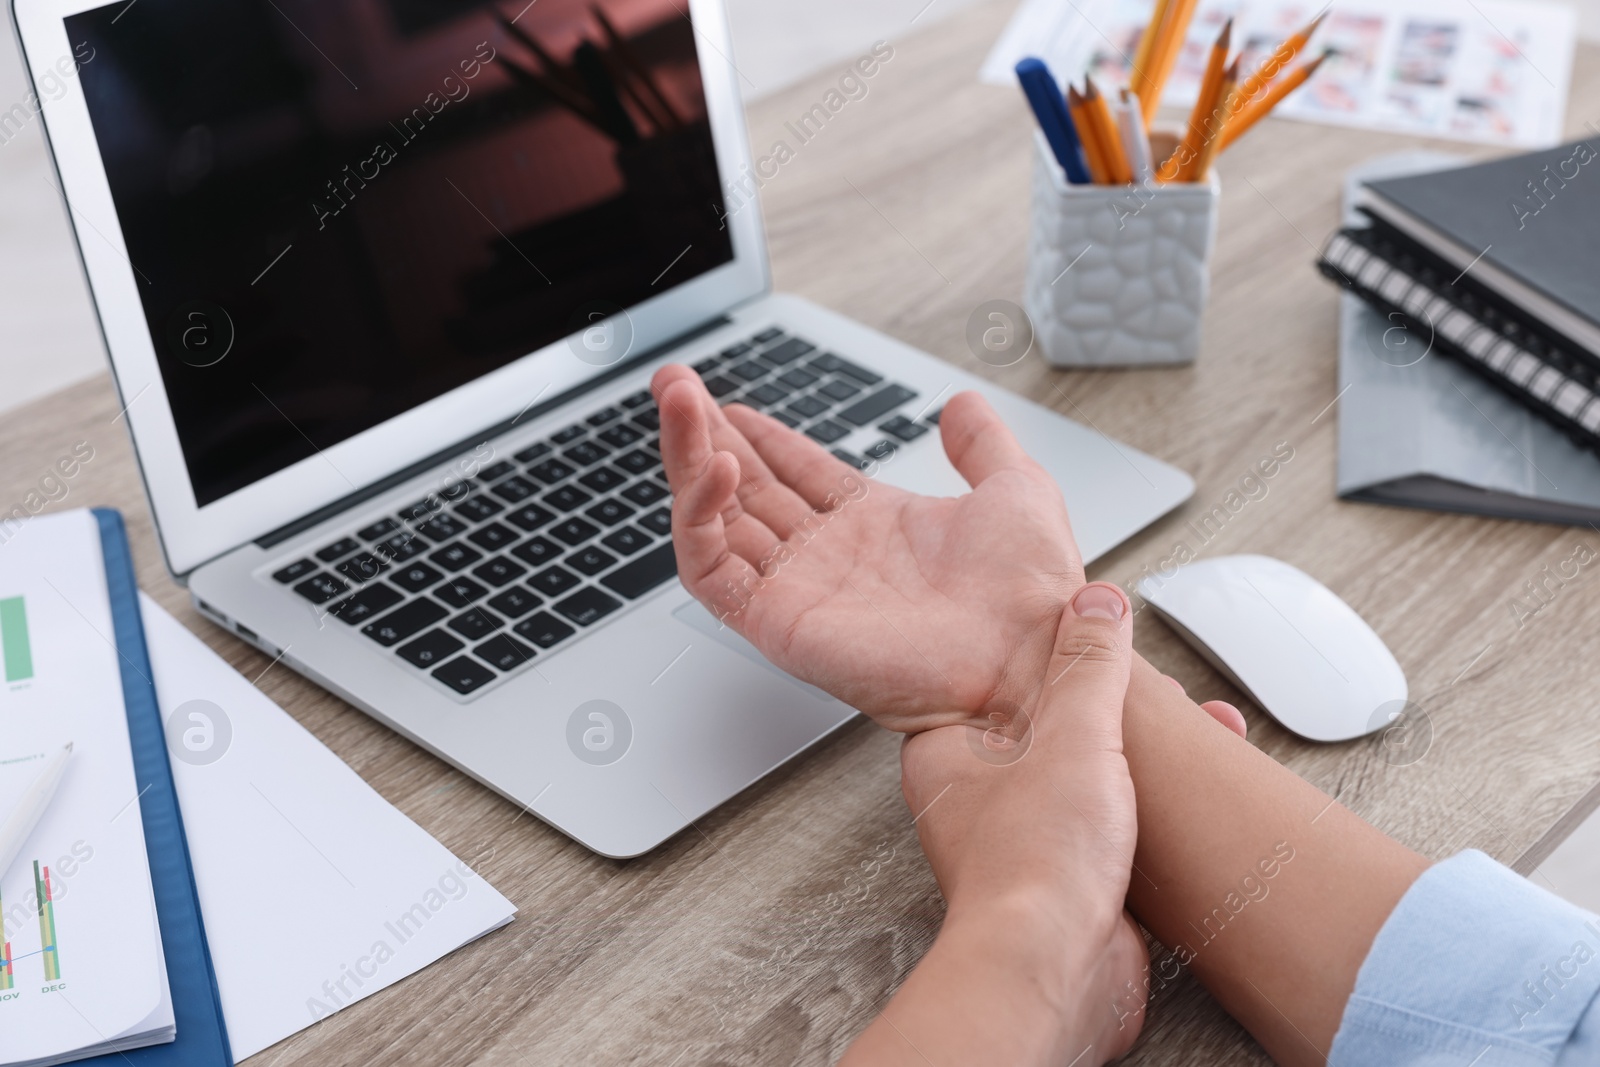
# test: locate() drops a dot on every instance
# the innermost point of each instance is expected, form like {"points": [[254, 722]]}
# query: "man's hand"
{"points": [[920, 611]]}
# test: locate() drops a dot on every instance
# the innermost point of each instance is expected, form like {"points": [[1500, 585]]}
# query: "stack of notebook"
{"points": [[1496, 265]]}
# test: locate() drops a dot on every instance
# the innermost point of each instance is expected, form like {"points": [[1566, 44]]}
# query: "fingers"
{"points": [[1089, 666], [709, 568], [1226, 714], [977, 441], [795, 459]]}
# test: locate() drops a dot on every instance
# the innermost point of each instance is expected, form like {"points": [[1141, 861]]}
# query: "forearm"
{"points": [[1257, 881], [994, 988]]}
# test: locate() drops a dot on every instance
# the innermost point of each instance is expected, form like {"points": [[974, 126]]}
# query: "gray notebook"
{"points": [[1419, 430]]}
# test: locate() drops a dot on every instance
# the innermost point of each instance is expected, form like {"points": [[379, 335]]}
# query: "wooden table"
{"points": [[772, 931]]}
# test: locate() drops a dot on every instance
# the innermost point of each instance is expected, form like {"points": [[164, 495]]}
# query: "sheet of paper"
{"points": [[1490, 71], [315, 891], [83, 965]]}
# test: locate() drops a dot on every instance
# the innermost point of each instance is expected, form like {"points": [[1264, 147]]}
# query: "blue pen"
{"points": [[1050, 108]]}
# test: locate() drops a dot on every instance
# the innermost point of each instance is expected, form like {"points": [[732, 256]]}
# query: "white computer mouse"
{"points": [[1284, 638]]}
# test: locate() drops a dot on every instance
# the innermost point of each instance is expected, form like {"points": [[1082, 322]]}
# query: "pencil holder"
{"points": [[1118, 274]]}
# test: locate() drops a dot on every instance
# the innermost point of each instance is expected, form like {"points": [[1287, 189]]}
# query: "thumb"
{"points": [[1090, 663]]}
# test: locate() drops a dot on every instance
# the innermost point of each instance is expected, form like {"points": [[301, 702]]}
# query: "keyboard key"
{"points": [[550, 471], [877, 405], [903, 428], [637, 400], [645, 493], [495, 471], [533, 452], [764, 396], [587, 606], [478, 508], [381, 528], [797, 378], [459, 592], [454, 557], [570, 434], [321, 588], [839, 389], [721, 387], [515, 602], [620, 436], [298, 569], [635, 579], [603, 416], [649, 420], [654, 445], [590, 561], [626, 540], [516, 488], [529, 517], [827, 431], [458, 490], [788, 352], [844, 456], [475, 623], [404, 621], [504, 652], [362, 567], [882, 450], [609, 512], [750, 370], [493, 537], [658, 521], [636, 462], [543, 629], [568, 498], [707, 365], [808, 407], [933, 420], [373, 600], [402, 546], [735, 351], [787, 419], [342, 547], [585, 454], [553, 581], [430, 648], [464, 675], [442, 527], [499, 571], [415, 577], [604, 479], [832, 364], [421, 509], [537, 551], [766, 336], [574, 531]]}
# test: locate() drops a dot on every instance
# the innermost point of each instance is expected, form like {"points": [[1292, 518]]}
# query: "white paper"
{"points": [[1489, 71], [68, 687], [315, 891]]}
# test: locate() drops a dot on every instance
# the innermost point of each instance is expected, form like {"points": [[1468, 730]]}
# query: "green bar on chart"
{"points": [[14, 644], [47, 924]]}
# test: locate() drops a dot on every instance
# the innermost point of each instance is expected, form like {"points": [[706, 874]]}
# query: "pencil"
{"points": [[1135, 142], [1161, 61], [1205, 103], [1254, 111], [1147, 40], [1279, 59], [1093, 155], [1225, 101], [1117, 170]]}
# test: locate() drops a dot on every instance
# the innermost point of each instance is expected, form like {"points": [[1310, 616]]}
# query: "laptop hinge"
{"points": [[344, 503]]}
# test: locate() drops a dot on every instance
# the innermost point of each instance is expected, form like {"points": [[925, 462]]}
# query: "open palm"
{"points": [[919, 611]]}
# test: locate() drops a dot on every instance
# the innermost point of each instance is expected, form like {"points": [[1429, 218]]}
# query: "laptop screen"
{"points": [[337, 210]]}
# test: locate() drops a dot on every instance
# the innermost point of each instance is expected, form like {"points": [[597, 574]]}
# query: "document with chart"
{"points": [[81, 964]]}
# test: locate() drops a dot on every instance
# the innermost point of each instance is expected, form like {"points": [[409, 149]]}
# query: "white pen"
{"points": [[31, 808], [1130, 130]]}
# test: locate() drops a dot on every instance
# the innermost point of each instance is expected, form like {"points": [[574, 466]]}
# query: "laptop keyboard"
{"points": [[473, 582]]}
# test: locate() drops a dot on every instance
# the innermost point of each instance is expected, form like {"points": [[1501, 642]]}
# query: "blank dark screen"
{"points": [[337, 210]]}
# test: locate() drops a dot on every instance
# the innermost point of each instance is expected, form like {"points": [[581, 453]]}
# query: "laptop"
{"points": [[383, 283]]}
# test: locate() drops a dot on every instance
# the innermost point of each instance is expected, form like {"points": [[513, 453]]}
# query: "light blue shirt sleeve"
{"points": [[1476, 967]]}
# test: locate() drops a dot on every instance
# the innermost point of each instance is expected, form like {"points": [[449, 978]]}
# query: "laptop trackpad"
{"points": [[695, 616]]}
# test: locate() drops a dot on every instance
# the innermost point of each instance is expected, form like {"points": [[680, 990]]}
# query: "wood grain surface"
{"points": [[772, 931]]}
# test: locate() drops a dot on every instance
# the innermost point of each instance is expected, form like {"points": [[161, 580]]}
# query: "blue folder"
{"points": [[202, 1039]]}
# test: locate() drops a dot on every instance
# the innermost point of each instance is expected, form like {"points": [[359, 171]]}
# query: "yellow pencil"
{"points": [[1227, 96], [1147, 40], [1118, 172], [1092, 155], [1205, 103], [1279, 59], [1254, 111], [1161, 61]]}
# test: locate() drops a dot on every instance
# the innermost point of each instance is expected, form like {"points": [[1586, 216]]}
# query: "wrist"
{"points": [[1032, 936]]}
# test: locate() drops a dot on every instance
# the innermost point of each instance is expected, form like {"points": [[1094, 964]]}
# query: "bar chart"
{"points": [[15, 647], [47, 923]]}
